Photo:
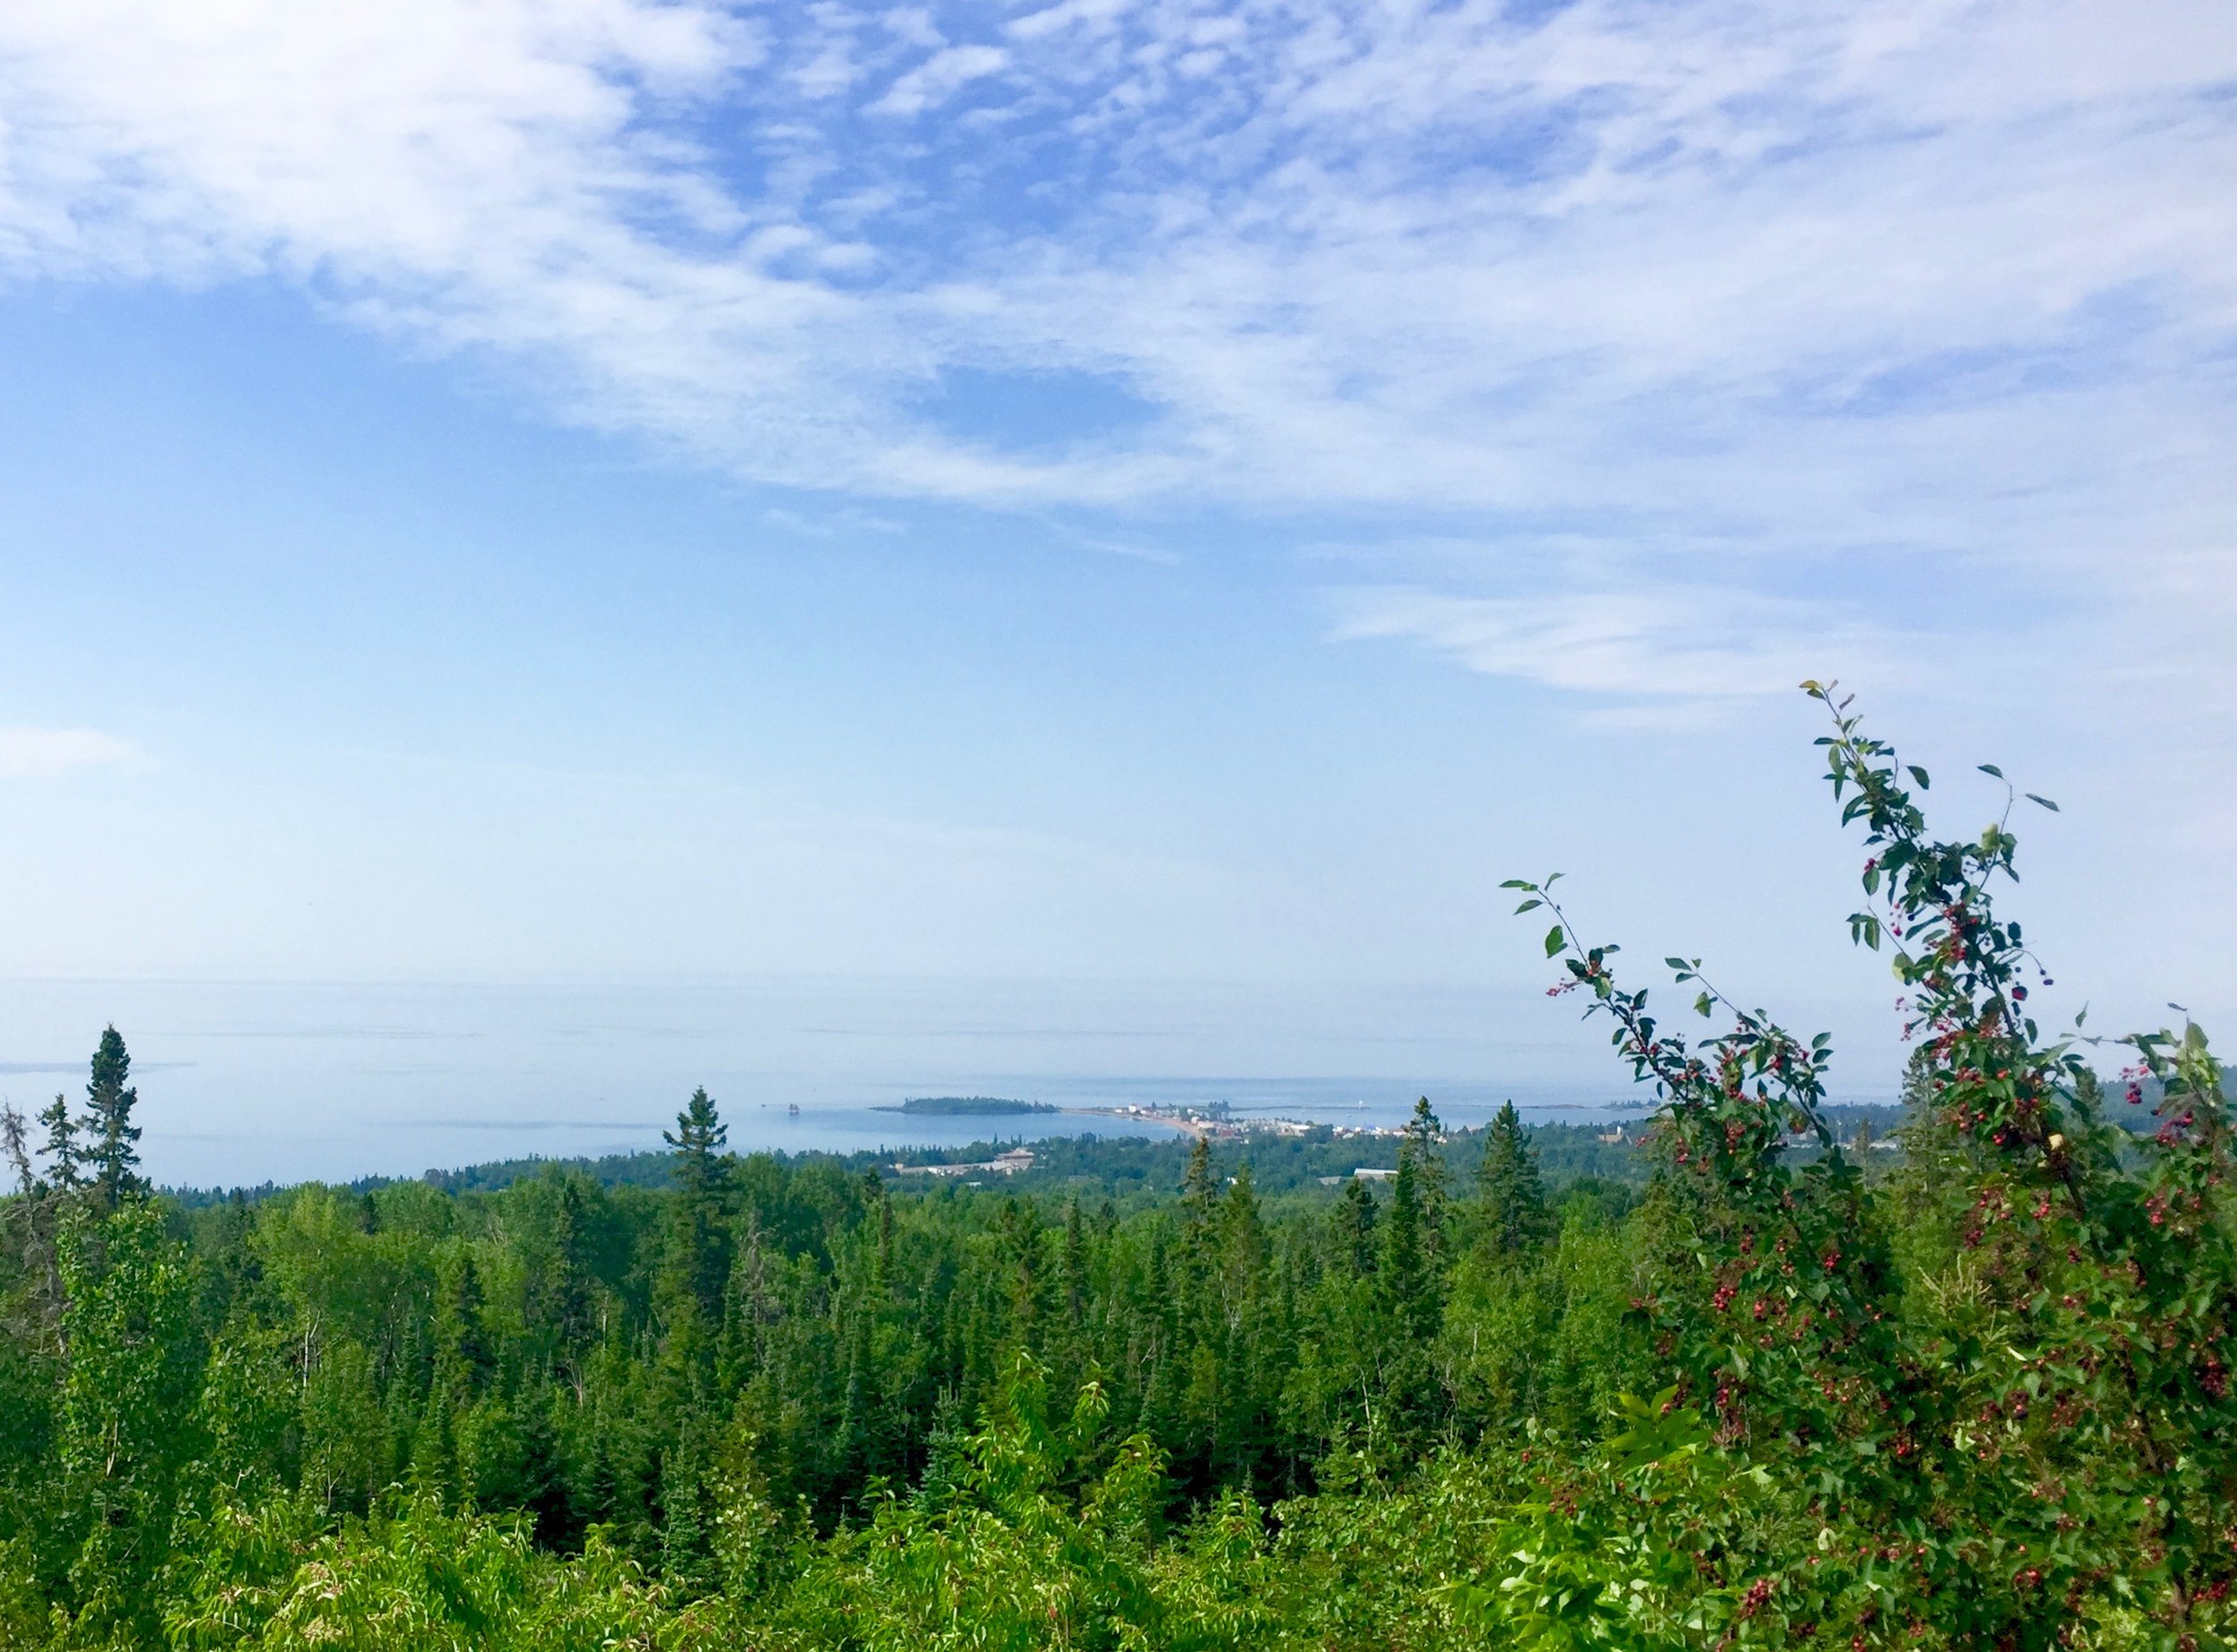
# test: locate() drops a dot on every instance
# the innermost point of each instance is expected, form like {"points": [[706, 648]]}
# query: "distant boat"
{"points": [[794, 1109]]}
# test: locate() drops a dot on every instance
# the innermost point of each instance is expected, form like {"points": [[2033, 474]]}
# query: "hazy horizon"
{"points": [[242, 1083]]}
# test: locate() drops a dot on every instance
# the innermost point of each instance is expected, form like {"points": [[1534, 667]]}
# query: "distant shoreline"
{"points": [[1186, 1126]]}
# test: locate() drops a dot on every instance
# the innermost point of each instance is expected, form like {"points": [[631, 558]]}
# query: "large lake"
{"points": [[243, 1082]]}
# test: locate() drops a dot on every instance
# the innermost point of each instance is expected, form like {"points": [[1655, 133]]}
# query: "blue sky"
{"points": [[1158, 493]]}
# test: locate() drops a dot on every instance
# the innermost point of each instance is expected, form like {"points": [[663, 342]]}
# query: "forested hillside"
{"points": [[1972, 1393]]}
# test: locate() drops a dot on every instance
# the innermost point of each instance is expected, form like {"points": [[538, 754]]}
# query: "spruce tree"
{"points": [[1404, 1276], [1160, 1329], [1074, 1265], [1354, 1227], [108, 1120], [1242, 1428], [467, 1343], [15, 1144], [1426, 1129], [1917, 1096], [433, 1470], [701, 1260], [62, 1152], [571, 1301], [1199, 1216], [698, 1139], [1199, 1188], [885, 1238], [1425, 1134], [1242, 1234], [1509, 1196], [1018, 1233], [1410, 1307]]}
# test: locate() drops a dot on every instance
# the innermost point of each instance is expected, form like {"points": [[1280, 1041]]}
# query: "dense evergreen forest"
{"points": [[1740, 1385]]}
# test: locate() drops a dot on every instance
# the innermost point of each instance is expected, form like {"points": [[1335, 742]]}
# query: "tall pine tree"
{"points": [[465, 1357], [1425, 1134], [108, 1120], [1513, 1217], [1199, 1217], [1199, 1188], [571, 1301], [698, 1138], [63, 1156], [1405, 1279], [1353, 1225], [701, 1260]]}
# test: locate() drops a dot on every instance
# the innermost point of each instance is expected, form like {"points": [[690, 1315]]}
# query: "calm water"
{"points": [[240, 1082]]}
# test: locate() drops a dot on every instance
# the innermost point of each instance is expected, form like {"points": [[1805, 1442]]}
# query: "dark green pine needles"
{"points": [[1513, 1219]]}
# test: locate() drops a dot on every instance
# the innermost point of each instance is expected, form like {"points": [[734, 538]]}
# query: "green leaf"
{"points": [[1554, 941], [2046, 802], [1919, 775], [1518, 883], [1528, 905], [1990, 768]]}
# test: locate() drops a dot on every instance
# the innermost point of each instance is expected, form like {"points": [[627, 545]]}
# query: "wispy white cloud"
{"points": [[28, 753], [1640, 650], [938, 78], [1676, 254], [1952, 277]]}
